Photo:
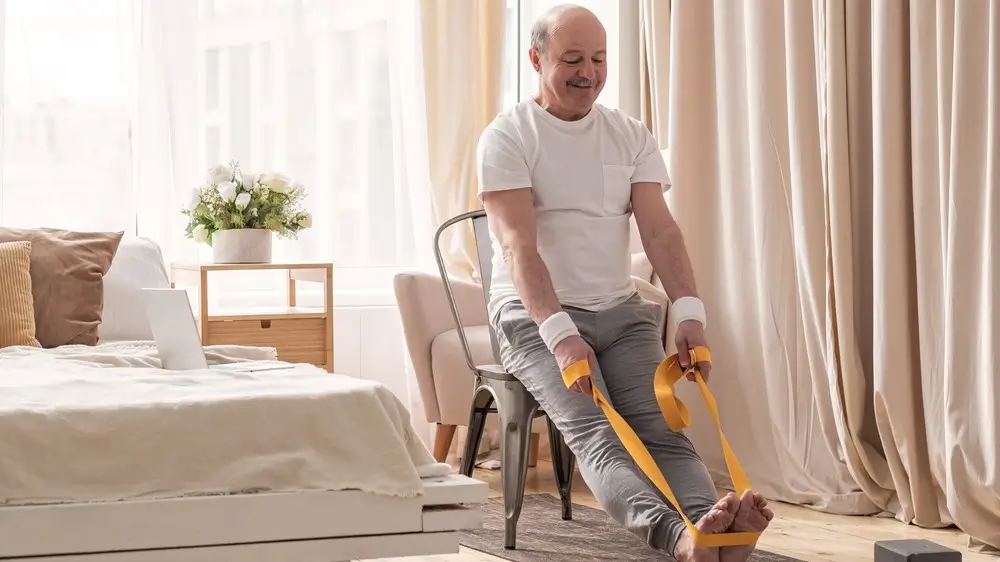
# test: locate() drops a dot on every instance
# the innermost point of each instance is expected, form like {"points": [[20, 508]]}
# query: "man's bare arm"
{"points": [[663, 241], [512, 219]]}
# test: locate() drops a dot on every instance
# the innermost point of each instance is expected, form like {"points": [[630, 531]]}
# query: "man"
{"points": [[559, 178]]}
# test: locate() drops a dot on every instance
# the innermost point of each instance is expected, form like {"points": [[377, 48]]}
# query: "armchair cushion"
{"points": [[641, 267]]}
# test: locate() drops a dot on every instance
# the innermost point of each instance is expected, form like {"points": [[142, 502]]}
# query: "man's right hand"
{"points": [[571, 350]]}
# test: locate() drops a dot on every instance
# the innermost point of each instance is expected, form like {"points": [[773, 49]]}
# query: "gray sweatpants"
{"points": [[626, 340]]}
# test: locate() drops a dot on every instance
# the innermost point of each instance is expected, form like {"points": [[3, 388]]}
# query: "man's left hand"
{"points": [[690, 334]]}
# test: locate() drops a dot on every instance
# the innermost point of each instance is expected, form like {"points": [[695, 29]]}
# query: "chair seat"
{"points": [[496, 372]]}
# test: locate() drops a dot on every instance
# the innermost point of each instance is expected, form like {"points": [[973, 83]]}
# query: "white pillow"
{"points": [[138, 264]]}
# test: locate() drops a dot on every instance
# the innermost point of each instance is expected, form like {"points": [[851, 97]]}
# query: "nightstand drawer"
{"points": [[297, 340]]}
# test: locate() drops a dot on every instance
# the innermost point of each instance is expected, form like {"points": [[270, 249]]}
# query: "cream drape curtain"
{"points": [[462, 59], [654, 65], [834, 173], [933, 191]]}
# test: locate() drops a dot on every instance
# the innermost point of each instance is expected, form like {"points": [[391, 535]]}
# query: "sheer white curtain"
{"points": [[68, 89], [165, 156]]}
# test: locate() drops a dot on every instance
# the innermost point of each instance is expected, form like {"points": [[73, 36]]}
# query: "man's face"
{"points": [[573, 68]]}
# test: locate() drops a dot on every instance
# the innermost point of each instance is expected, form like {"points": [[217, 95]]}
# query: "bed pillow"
{"points": [[67, 281], [17, 316], [137, 265]]}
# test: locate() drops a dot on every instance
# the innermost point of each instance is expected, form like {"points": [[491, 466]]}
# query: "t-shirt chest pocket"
{"points": [[617, 187]]}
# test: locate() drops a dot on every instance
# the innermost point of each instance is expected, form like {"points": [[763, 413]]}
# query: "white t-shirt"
{"points": [[581, 175]]}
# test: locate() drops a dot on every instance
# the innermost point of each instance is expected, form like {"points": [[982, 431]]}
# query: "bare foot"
{"points": [[717, 520], [752, 516]]}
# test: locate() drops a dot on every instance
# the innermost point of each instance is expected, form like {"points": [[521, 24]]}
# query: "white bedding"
{"points": [[105, 423]]}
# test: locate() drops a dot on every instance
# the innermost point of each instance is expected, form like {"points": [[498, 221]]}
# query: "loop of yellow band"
{"points": [[678, 417]]}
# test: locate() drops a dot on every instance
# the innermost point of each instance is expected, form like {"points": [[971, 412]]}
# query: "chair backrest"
{"points": [[484, 251]]}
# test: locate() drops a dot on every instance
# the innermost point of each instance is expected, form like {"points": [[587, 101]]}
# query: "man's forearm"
{"points": [[668, 255], [533, 283]]}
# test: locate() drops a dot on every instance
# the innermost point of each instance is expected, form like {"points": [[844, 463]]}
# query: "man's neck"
{"points": [[565, 114]]}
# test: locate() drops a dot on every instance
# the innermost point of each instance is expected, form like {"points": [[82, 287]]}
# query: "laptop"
{"points": [[175, 331]]}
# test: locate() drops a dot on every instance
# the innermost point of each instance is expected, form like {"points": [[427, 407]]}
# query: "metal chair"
{"points": [[497, 391]]}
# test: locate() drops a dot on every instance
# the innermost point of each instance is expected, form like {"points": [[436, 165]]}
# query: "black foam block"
{"points": [[914, 551]]}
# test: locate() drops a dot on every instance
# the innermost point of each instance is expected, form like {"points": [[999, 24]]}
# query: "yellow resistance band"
{"points": [[678, 418]]}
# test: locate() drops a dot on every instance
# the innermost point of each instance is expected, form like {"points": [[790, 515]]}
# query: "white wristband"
{"points": [[688, 308], [556, 328]]}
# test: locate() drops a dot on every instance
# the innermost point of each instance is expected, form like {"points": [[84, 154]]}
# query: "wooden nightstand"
{"points": [[300, 334]]}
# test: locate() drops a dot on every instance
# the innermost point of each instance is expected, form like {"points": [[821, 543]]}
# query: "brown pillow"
{"points": [[17, 318], [67, 281]]}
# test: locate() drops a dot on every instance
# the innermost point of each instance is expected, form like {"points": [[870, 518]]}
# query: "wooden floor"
{"points": [[797, 532]]}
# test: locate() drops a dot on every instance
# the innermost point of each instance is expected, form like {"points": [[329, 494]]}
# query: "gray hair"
{"points": [[540, 34]]}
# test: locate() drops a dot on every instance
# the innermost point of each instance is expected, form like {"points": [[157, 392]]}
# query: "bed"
{"points": [[107, 457]]}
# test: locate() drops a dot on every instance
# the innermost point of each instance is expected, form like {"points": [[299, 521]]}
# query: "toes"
{"points": [[745, 503], [730, 503], [760, 500], [761, 506]]}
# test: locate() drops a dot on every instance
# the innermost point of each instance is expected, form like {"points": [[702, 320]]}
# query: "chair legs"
{"points": [[477, 423], [563, 464], [516, 408]]}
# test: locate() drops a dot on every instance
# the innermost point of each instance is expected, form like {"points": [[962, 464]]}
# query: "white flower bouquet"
{"points": [[232, 199]]}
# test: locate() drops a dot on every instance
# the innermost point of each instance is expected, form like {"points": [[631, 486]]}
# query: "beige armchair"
{"points": [[443, 376]]}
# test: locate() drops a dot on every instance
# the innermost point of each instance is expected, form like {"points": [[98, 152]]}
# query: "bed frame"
{"points": [[265, 527]]}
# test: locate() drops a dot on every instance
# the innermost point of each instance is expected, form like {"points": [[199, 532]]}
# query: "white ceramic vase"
{"points": [[242, 245]]}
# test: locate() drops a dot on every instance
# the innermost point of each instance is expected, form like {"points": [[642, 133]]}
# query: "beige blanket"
{"points": [[106, 423]]}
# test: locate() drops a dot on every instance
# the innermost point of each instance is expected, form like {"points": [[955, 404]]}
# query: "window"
{"points": [[620, 20], [66, 136], [303, 87]]}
